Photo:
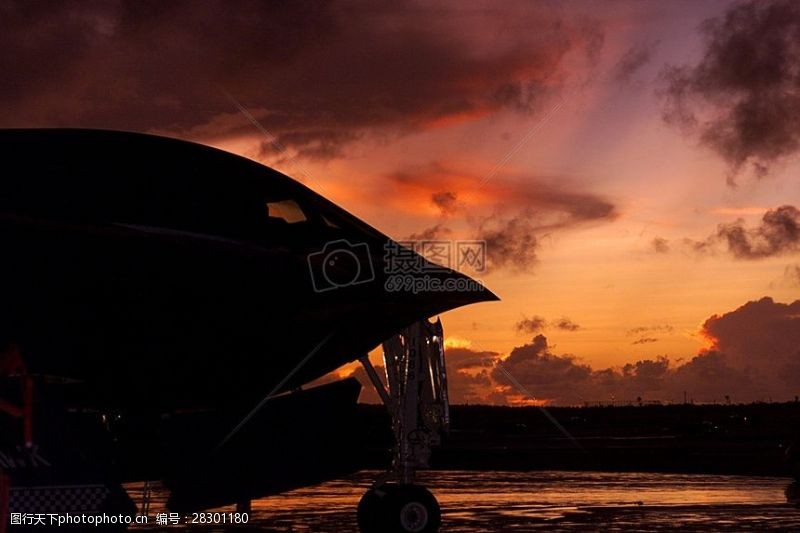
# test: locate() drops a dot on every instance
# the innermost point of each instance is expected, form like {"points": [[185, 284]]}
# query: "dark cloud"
{"points": [[659, 245], [445, 201], [435, 232], [761, 338], [320, 143], [639, 330], [574, 207], [710, 377], [742, 98], [777, 234], [707, 246], [512, 235], [645, 334], [563, 379], [533, 324], [536, 323], [431, 174], [317, 75], [645, 379], [542, 373], [648, 369], [634, 58], [511, 242], [461, 358], [468, 375], [565, 324]]}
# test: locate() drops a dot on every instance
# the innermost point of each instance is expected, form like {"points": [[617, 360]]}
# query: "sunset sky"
{"points": [[633, 166]]}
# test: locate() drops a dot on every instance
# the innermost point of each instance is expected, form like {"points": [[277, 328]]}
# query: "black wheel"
{"points": [[368, 509], [399, 509]]}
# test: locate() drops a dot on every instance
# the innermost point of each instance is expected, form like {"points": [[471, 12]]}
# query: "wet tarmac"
{"points": [[475, 502]]}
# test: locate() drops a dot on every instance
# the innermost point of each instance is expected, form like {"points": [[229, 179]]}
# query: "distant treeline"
{"points": [[733, 439]]}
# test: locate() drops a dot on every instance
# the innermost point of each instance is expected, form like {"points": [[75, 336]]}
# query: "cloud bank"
{"points": [[753, 355], [777, 234], [742, 99]]}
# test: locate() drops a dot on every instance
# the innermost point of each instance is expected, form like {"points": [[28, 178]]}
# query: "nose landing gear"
{"points": [[418, 404], [399, 508]]}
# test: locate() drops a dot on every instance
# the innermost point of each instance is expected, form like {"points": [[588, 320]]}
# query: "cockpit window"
{"points": [[286, 210]]}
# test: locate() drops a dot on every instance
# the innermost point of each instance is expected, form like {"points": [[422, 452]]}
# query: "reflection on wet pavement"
{"points": [[540, 501]]}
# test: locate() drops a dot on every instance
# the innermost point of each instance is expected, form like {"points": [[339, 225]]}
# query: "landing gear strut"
{"points": [[418, 404]]}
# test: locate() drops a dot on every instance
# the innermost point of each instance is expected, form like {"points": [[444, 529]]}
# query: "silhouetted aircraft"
{"points": [[157, 291]]}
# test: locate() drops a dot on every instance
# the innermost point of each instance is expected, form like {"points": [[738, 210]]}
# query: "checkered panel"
{"points": [[58, 499]]}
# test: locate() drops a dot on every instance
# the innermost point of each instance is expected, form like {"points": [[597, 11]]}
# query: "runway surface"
{"points": [[475, 502]]}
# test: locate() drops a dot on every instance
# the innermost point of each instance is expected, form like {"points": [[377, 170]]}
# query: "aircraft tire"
{"points": [[399, 509]]}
